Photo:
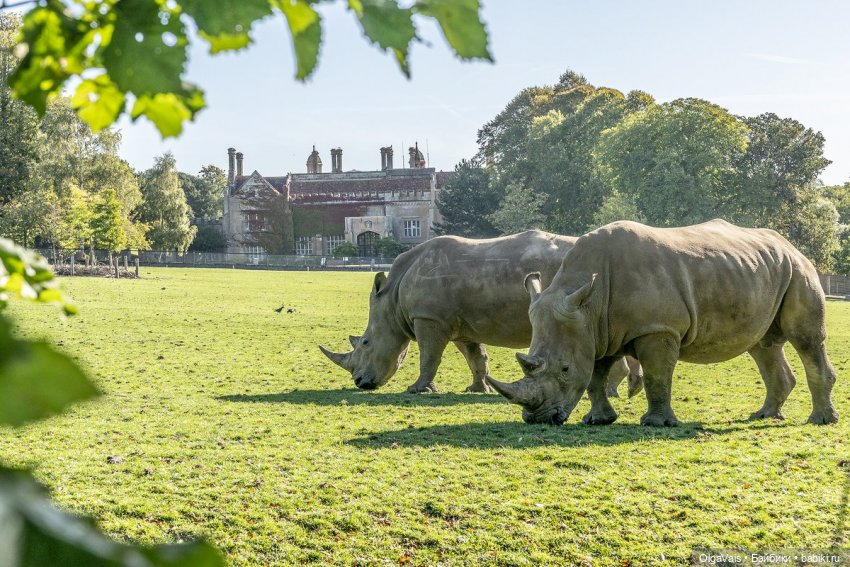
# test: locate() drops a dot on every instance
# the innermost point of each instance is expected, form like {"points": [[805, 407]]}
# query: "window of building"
{"points": [[254, 222], [412, 229], [304, 246], [334, 241]]}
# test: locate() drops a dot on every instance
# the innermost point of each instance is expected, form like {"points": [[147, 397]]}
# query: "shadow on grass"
{"points": [[360, 398], [519, 435]]}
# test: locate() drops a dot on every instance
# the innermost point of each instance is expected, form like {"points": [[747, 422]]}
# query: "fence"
{"points": [[65, 259], [835, 286]]}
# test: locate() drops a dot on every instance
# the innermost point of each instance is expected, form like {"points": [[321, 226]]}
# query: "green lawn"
{"points": [[232, 425]]}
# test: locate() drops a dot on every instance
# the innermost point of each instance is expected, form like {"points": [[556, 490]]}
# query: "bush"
{"points": [[346, 249], [389, 247], [209, 239]]}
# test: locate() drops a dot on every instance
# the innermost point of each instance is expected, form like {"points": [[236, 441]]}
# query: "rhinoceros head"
{"points": [[559, 363], [379, 352]]}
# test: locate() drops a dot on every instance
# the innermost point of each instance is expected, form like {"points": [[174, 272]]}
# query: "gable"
{"points": [[255, 185]]}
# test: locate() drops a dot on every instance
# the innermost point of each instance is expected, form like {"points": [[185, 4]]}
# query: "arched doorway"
{"points": [[367, 243]]}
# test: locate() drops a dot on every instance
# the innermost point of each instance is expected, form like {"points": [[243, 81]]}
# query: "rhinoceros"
{"points": [[461, 290], [704, 293]]}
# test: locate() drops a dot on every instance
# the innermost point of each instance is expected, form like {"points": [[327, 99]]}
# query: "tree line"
{"points": [[572, 156], [63, 185]]}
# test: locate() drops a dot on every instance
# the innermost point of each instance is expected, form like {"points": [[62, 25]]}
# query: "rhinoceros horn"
{"points": [[521, 392], [354, 340], [528, 362], [341, 359]]}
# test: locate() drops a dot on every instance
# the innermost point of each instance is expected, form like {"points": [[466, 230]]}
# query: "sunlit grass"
{"points": [[232, 425]]}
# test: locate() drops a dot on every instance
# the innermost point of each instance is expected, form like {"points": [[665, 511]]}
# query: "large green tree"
{"points": [[561, 153], [205, 192], [18, 122], [677, 159], [164, 208], [467, 201]]}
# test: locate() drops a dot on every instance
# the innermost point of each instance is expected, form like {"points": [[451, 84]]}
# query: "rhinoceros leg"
{"points": [[627, 366], [801, 319], [432, 339], [619, 371], [479, 363], [601, 411], [658, 354], [820, 377], [778, 379]]}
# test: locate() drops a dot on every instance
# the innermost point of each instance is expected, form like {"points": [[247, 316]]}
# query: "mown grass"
{"points": [[232, 425]]}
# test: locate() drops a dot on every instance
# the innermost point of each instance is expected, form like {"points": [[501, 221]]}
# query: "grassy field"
{"points": [[233, 426]]}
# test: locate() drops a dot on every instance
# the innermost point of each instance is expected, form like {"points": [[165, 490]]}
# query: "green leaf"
{"points": [[36, 533], [27, 275], [226, 41], [388, 25], [168, 111], [35, 381], [225, 24], [98, 102], [461, 25], [306, 28], [55, 46], [147, 51]]}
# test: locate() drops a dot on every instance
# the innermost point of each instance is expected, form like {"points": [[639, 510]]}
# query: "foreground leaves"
{"points": [[130, 56], [37, 382], [34, 533]]}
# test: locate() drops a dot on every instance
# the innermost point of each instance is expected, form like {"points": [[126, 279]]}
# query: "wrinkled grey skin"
{"points": [[704, 293], [459, 290]]}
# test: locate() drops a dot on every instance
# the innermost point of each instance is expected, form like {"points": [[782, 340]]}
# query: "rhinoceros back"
{"points": [[718, 287], [475, 287]]}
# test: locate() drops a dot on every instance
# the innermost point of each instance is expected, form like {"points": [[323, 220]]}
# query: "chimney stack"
{"points": [[387, 158], [231, 169], [238, 164], [336, 160]]}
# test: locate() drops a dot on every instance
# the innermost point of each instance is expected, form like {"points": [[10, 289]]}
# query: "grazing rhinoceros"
{"points": [[703, 293], [460, 290]]}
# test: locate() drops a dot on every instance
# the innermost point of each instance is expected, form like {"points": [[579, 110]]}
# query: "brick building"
{"points": [[329, 208]]}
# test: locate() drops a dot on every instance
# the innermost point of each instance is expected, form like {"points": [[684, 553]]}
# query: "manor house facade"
{"points": [[329, 208]]}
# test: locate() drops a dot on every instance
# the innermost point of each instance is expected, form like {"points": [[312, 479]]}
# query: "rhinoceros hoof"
{"points": [[599, 419], [766, 414], [824, 417], [659, 420], [480, 388], [417, 389]]}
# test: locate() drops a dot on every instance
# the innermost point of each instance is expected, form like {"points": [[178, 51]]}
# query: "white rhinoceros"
{"points": [[703, 293], [452, 289]]}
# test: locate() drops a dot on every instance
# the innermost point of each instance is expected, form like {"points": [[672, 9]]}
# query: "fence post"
{"points": [[117, 274], [126, 268], [137, 266], [72, 263], [829, 285]]}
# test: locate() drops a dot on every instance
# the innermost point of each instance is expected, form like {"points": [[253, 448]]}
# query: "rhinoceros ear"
{"points": [[380, 283], [532, 285], [578, 298], [354, 340]]}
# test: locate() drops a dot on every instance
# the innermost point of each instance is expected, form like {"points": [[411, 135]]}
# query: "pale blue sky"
{"points": [[782, 56]]}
